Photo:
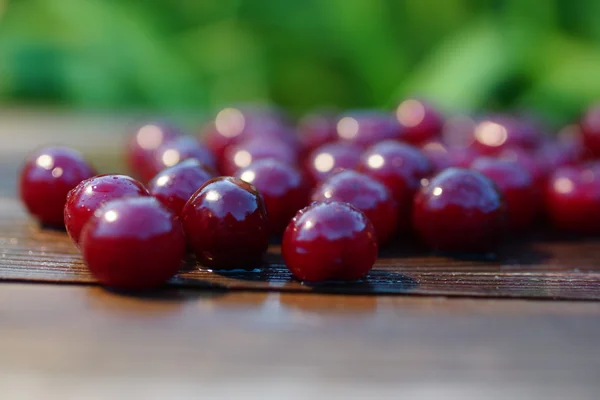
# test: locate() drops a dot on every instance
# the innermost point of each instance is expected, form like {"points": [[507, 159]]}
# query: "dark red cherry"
{"points": [[91, 194], [46, 178], [226, 224], [175, 151], [573, 198], [526, 160], [367, 127], [365, 193], [316, 130], [590, 127], [498, 132], [245, 153], [566, 149], [420, 122], [459, 131], [174, 186], [400, 167], [234, 124], [330, 158], [144, 141], [283, 188], [460, 211], [520, 191], [329, 241], [442, 155], [133, 243]]}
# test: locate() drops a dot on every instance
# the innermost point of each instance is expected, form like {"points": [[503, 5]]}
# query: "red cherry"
{"points": [[420, 122], [175, 151], [329, 241], [174, 186], [226, 224], [283, 188], [400, 167], [330, 158], [245, 153], [144, 141], [573, 198], [498, 132], [47, 177], [527, 161], [442, 156], [365, 193], [460, 211], [133, 243], [590, 127], [367, 127], [518, 188], [316, 130], [91, 194]]}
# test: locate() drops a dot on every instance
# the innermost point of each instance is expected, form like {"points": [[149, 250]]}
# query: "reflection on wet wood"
{"points": [[539, 269]]}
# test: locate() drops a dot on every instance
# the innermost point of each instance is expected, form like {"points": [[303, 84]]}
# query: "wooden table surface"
{"points": [[77, 340]]}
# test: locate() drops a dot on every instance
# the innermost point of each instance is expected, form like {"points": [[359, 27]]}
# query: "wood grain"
{"points": [[537, 269]]}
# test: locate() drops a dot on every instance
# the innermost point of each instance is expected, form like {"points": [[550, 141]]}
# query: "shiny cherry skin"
{"points": [[245, 153], [528, 161], [330, 158], [93, 193], [365, 193], [226, 224], [400, 167], [518, 187], [590, 127], [420, 122], [460, 211], [133, 243], [283, 188], [316, 130], [329, 241], [47, 177], [175, 151], [174, 186], [144, 141], [573, 198], [235, 124], [367, 127], [498, 132], [442, 155]]}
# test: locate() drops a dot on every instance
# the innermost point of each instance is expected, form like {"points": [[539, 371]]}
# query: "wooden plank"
{"points": [[546, 270]]}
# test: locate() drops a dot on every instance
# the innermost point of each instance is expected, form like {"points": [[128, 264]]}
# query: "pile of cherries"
{"points": [[335, 187]]}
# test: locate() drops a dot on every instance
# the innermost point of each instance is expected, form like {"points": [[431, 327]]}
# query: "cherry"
{"points": [[590, 127], [283, 188], [234, 124], [144, 141], [91, 194], [175, 151], [400, 167], [174, 186], [244, 153], [518, 188], [498, 132], [528, 161], [317, 129], [226, 224], [133, 243], [460, 211], [365, 193], [420, 121], [47, 177], [442, 155], [330, 158], [329, 241], [459, 131], [573, 198], [366, 127]]}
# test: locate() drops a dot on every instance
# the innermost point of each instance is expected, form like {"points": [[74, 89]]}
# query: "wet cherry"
{"points": [[46, 178], [330, 158], [91, 194], [245, 153], [144, 141], [133, 243], [226, 224], [367, 127], [420, 122], [329, 241]]}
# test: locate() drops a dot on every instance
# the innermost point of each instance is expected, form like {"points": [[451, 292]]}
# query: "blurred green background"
{"points": [[196, 55]]}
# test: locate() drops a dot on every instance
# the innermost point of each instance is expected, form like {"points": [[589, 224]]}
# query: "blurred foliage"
{"points": [[166, 55]]}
